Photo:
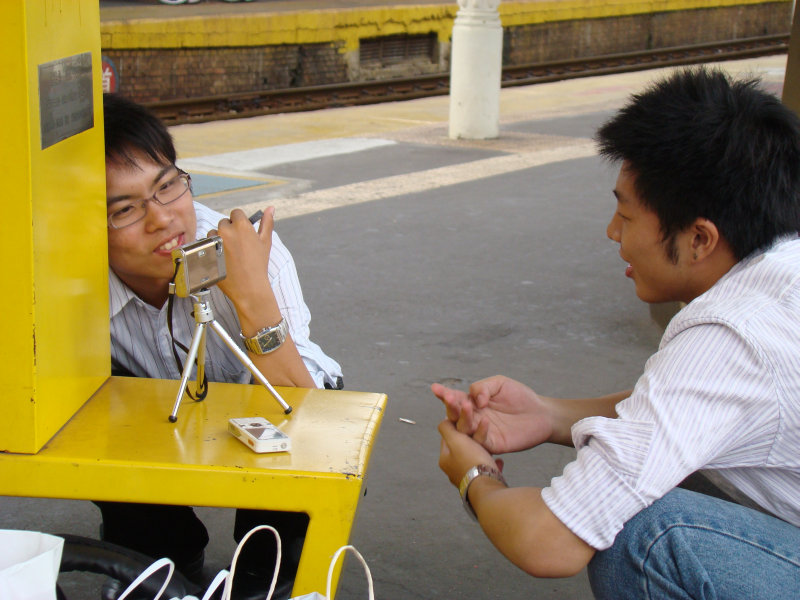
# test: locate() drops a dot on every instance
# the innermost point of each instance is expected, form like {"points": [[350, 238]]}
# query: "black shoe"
{"points": [[251, 586], [193, 569], [113, 588]]}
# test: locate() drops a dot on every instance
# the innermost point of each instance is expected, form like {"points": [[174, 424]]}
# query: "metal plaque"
{"points": [[66, 105]]}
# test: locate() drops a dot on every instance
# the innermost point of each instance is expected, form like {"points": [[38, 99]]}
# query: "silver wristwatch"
{"points": [[268, 339], [471, 475]]}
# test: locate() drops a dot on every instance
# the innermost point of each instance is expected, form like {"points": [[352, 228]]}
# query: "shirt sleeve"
{"points": [[706, 394], [286, 287]]}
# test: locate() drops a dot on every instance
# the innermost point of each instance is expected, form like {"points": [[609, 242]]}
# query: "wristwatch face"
{"points": [[267, 340]]}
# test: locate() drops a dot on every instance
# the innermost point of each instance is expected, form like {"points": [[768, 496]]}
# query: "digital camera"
{"points": [[201, 264]]}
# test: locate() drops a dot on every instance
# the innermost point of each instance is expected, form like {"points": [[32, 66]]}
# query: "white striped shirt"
{"points": [[721, 393], [140, 340]]}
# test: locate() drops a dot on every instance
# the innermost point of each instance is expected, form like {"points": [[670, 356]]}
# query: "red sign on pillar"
{"points": [[110, 78]]}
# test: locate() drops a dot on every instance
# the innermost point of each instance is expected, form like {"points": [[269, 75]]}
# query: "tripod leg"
{"points": [[245, 360], [197, 337], [201, 366]]}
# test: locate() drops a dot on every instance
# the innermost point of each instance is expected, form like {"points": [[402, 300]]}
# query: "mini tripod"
{"points": [[204, 317]]}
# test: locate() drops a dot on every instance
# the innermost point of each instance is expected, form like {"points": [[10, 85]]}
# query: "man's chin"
{"points": [[648, 297]]}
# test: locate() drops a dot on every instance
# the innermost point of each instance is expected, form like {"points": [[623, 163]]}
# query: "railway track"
{"points": [[249, 104]]}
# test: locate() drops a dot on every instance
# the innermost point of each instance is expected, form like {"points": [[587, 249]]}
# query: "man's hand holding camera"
{"points": [[246, 262], [247, 285]]}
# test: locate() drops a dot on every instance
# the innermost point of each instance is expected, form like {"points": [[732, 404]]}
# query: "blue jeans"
{"points": [[689, 545]]}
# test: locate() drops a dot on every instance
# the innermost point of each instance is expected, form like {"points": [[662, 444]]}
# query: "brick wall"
{"points": [[165, 74], [576, 39]]}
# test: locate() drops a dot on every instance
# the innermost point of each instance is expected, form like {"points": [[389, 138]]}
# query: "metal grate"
{"points": [[397, 48]]}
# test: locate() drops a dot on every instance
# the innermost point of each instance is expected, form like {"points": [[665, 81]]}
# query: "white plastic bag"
{"points": [[226, 578], [29, 564], [313, 595]]}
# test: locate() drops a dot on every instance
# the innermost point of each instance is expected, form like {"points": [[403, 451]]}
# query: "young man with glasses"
{"points": [[151, 211]]}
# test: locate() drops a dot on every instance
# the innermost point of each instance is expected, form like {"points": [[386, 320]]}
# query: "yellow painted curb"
{"points": [[345, 27]]}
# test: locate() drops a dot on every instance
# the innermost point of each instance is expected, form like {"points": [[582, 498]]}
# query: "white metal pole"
{"points": [[475, 70]]}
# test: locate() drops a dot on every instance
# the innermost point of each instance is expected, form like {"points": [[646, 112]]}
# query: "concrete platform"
{"points": [[425, 259]]}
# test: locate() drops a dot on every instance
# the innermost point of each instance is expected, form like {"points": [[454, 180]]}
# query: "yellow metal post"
{"points": [[54, 351]]}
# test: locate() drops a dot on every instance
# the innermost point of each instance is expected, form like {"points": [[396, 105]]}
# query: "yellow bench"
{"points": [[120, 446]]}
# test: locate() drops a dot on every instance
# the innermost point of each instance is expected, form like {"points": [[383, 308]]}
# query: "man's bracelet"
{"points": [[471, 475]]}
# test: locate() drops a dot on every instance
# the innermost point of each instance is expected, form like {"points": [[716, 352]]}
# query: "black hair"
{"points": [[701, 145], [130, 127]]}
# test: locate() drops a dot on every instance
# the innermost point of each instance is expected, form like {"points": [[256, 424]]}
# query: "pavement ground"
{"points": [[426, 259]]}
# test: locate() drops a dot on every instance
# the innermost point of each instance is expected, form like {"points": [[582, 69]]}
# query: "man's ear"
{"points": [[704, 238]]}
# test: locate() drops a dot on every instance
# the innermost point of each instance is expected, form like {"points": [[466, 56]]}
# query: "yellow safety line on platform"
{"points": [[346, 26]]}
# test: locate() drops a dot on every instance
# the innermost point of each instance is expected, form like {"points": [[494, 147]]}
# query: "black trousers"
{"points": [[176, 532]]}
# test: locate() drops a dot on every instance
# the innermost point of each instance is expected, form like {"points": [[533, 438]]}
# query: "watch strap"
{"points": [[268, 339], [472, 475]]}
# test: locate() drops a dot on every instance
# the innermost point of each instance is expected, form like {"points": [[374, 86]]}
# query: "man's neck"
{"points": [[154, 293], [711, 269]]}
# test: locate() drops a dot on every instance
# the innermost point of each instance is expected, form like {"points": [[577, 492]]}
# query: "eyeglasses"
{"points": [[136, 210]]}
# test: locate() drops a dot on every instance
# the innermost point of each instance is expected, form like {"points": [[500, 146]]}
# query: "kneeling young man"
{"points": [[708, 213]]}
